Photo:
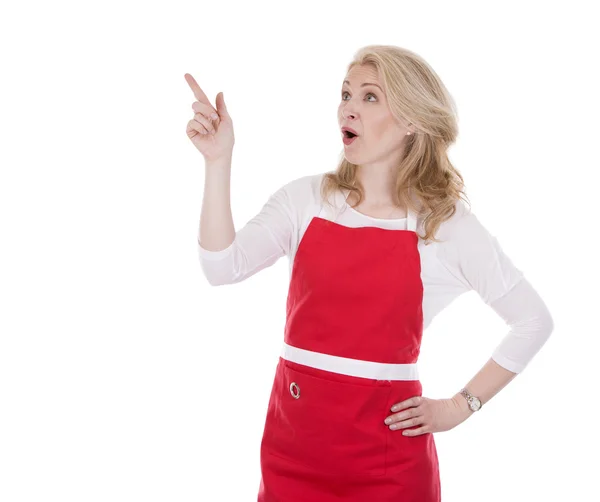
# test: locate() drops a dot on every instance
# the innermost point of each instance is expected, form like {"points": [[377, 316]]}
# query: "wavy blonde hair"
{"points": [[416, 94]]}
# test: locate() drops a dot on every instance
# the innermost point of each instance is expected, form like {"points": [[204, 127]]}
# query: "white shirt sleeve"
{"points": [[257, 245], [475, 257], [530, 323]]}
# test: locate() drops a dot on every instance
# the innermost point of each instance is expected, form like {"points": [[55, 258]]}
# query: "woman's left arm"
{"points": [[488, 381], [531, 324], [420, 415], [475, 258]]}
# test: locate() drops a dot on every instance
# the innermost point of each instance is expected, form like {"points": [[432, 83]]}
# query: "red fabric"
{"points": [[355, 293]]}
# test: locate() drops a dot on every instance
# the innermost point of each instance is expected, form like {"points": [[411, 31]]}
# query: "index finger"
{"points": [[199, 93], [410, 402]]}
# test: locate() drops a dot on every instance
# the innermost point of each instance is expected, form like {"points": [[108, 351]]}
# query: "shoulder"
{"points": [[304, 190], [463, 238], [305, 183], [459, 226], [474, 255]]}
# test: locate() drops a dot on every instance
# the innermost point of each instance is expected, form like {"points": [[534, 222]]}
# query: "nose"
{"points": [[347, 108]]}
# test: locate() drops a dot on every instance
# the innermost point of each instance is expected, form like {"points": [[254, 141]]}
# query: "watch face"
{"points": [[475, 404]]}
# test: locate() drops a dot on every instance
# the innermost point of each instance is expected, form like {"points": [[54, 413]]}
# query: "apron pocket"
{"points": [[329, 422]]}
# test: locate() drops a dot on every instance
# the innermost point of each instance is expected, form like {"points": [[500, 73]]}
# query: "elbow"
{"points": [[217, 280], [535, 331], [545, 323], [217, 266], [215, 276], [214, 282]]}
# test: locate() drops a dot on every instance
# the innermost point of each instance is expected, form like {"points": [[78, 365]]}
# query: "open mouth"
{"points": [[349, 138], [348, 134]]}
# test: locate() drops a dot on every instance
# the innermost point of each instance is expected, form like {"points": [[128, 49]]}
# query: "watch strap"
{"points": [[470, 397]]}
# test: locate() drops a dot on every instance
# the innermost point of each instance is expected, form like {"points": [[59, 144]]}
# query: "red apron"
{"points": [[352, 339]]}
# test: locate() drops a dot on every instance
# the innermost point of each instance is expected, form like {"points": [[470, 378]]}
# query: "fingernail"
{"points": [[394, 408], [215, 116]]}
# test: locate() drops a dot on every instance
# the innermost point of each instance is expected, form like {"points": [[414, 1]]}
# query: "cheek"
{"points": [[385, 130], [380, 131], [381, 124]]}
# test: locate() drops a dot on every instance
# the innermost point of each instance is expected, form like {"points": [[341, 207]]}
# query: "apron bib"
{"points": [[354, 323]]}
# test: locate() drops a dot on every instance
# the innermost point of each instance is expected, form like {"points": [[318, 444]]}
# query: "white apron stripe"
{"points": [[351, 367]]}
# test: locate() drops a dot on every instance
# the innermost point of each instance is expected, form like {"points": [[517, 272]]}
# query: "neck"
{"points": [[379, 190]]}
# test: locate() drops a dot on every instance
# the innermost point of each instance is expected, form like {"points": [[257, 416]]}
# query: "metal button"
{"points": [[295, 390]]}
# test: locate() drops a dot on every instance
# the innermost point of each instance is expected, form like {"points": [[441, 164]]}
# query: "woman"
{"points": [[376, 250]]}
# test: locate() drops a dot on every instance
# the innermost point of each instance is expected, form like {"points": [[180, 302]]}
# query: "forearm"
{"points": [[490, 380], [216, 230]]}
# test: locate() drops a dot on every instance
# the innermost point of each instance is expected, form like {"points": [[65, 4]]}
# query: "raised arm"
{"points": [[226, 256], [257, 245]]}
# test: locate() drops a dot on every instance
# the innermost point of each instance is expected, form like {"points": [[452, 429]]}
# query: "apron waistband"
{"points": [[351, 367]]}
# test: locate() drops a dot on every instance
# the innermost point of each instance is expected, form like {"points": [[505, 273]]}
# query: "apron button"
{"points": [[295, 390]]}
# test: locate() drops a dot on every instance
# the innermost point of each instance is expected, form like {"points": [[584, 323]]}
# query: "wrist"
{"points": [[462, 404], [221, 163], [473, 402]]}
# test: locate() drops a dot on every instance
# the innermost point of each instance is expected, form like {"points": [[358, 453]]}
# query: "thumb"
{"points": [[221, 106]]}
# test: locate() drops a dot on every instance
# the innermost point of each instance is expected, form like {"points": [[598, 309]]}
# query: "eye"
{"points": [[368, 93]]}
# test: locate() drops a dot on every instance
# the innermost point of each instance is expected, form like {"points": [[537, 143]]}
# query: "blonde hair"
{"points": [[416, 94]]}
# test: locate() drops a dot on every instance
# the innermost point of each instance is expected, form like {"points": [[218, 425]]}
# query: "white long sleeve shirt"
{"points": [[469, 258]]}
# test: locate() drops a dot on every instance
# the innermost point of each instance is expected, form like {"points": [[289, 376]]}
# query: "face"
{"points": [[364, 108]]}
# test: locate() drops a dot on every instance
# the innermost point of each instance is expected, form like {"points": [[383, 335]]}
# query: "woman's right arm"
{"points": [[226, 256], [216, 222]]}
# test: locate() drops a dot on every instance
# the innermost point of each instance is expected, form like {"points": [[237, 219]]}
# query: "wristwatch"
{"points": [[474, 402]]}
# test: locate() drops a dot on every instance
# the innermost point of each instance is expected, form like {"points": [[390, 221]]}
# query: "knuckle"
{"points": [[201, 107], [201, 118]]}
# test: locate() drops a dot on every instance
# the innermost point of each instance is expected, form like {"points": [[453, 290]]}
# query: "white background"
{"points": [[125, 376]]}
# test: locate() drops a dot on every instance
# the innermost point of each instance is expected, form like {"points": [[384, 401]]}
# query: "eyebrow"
{"points": [[362, 85]]}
